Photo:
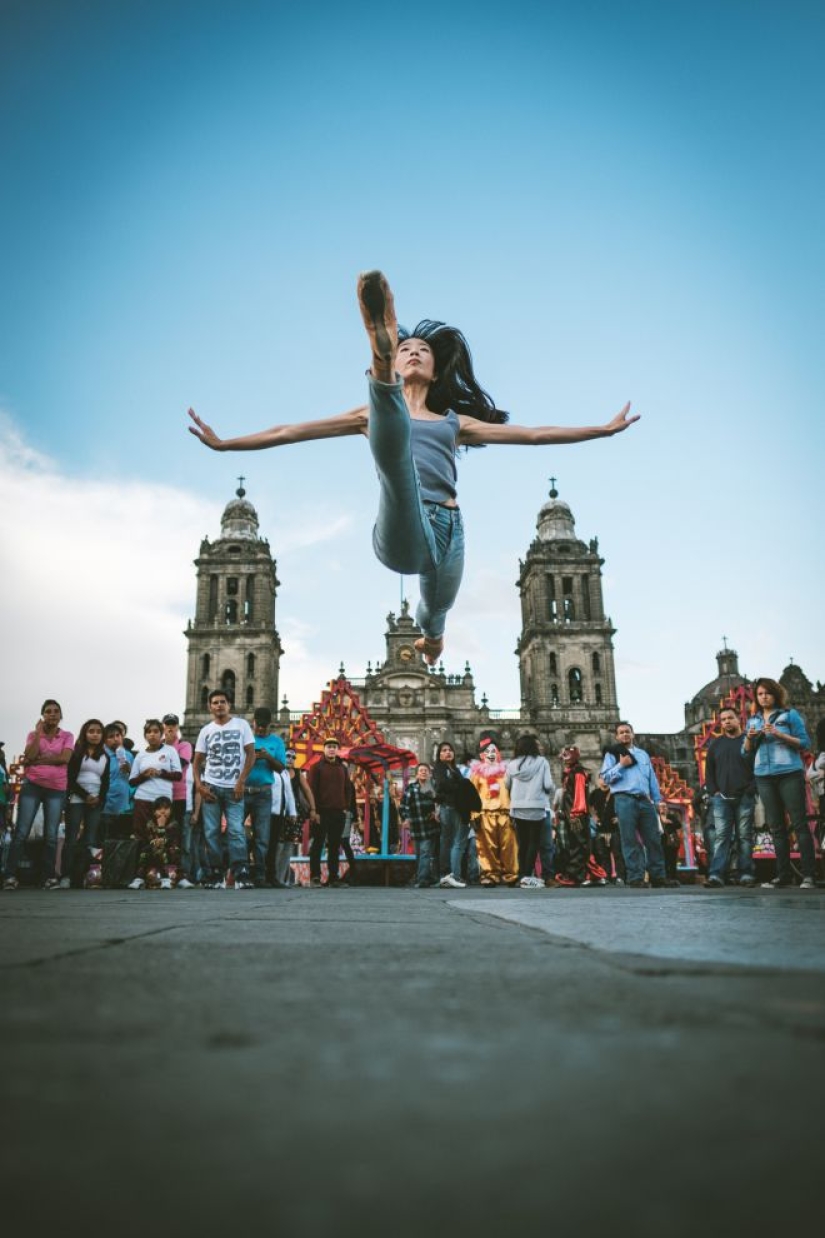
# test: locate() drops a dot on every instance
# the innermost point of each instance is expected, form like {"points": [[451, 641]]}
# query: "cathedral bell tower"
{"points": [[565, 650], [233, 642]]}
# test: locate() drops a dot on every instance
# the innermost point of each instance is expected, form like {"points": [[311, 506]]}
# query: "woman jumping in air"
{"points": [[424, 403]]}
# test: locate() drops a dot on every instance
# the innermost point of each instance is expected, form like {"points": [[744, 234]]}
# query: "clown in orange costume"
{"points": [[495, 836]]}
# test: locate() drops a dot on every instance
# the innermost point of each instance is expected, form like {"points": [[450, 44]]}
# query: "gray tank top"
{"points": [[433, 450]]}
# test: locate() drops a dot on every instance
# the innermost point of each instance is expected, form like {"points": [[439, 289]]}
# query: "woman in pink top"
{"points": [[46, 758]]}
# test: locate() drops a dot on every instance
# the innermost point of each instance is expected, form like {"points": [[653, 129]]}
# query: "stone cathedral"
{"points": [[565, 648], [565, 653]]}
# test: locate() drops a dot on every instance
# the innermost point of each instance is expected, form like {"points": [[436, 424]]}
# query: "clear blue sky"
{"points": [[613, 201]]}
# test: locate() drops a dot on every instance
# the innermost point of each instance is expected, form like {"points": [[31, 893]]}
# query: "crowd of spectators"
{"points": [[236, 812]]}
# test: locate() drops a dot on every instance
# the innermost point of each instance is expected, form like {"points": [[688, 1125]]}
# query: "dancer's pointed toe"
{"points": [[378, 312]]}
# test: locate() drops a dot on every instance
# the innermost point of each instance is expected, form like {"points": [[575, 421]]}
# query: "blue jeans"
{"points": [[211, 812], [455, 835], [730, 815], [412, 536], [638, 816], [87, 815], [31, 798], [780, 794], [193, 849], [258, 806], [472, 875], [547, 847], [426, 854]]}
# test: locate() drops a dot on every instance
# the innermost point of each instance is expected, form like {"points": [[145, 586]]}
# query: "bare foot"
{"points": [[432, 648], [378, 312]]}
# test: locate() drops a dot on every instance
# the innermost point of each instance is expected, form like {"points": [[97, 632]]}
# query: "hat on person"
{"points": [[332, 739], [170, 720]]}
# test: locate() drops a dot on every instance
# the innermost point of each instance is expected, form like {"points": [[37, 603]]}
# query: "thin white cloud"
{"points": [[95, 592]]}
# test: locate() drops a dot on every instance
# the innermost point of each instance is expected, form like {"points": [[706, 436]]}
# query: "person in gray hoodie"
{"points": [[530, 782]]}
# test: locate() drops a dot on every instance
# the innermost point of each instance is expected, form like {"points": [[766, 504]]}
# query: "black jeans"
{"points": [[328, 830], [780, 794], [528, 834]]}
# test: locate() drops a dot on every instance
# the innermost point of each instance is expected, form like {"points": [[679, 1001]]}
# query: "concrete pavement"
{"points": [[413, 1062]]}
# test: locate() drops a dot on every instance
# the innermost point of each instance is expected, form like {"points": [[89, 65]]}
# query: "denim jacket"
{"points": [[773, 757]]}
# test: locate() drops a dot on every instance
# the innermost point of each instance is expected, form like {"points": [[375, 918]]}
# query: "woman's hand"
{"points": [[621, 421], [204, 432]]}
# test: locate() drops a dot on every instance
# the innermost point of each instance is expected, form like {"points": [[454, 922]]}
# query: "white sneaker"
{"points": [[166, 883], [452, 883], [531, 883], [65, 884], [51, 883], [808, 883], [185, 884], [137, 884]]}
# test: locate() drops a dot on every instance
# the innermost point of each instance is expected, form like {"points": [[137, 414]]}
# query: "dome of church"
{"points": [[239, 519], [728, 678], [555, 521]]}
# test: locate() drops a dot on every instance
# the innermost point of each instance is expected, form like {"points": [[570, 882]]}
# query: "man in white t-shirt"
{"points": [[224, 755]]}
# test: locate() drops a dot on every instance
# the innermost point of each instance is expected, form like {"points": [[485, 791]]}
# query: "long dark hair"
{"points": [[445, 743], [82, 742], [455, 385], [527, 746]]}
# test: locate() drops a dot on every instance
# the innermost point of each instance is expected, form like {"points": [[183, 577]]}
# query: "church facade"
{"points": [[565, 653]]}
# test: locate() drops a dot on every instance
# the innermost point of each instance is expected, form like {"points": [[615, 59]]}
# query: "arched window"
{"points": [[232, 587], [204, 697], [228, 684], [250, 664], [554, 664], [205, 665], [231, 610], [597, 664], [248, 606], [213, 598], [554, 694], [598, 691], [575, 685], [250, 695]]}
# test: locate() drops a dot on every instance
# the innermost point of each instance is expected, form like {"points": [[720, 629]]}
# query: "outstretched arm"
{"points": [[353, 422], [474, 432]]}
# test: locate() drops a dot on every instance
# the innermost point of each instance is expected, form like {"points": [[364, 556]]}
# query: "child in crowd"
{"points": [[158, 866], [419, 816], [153, 773], [88, 786]]}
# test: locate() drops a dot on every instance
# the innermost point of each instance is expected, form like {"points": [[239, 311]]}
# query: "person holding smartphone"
{"points": [[777, 736]]}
